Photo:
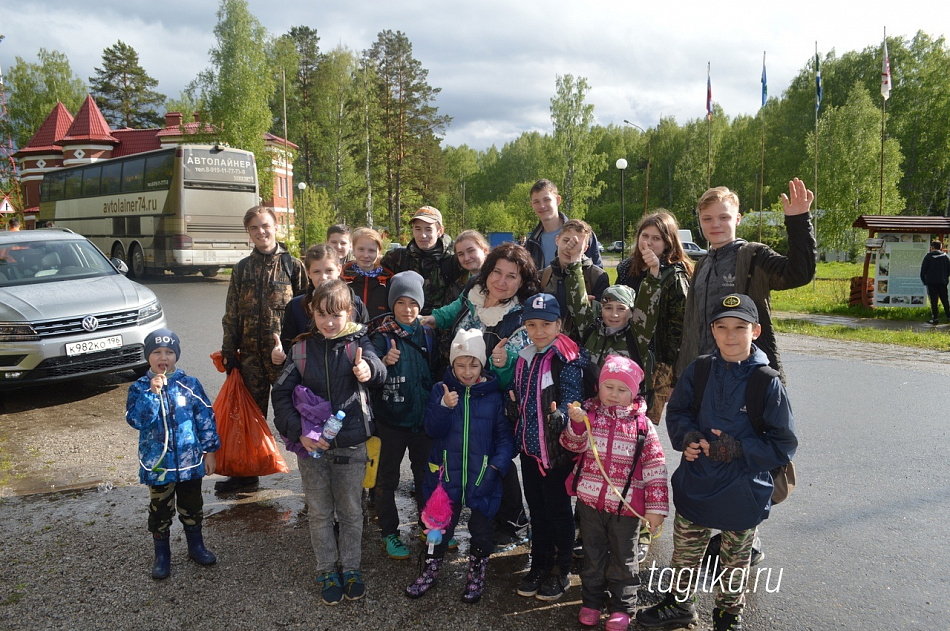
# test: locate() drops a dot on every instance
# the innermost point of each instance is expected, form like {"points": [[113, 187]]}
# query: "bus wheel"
{"points": [[209, 272], [118, 252], [137, 262]]}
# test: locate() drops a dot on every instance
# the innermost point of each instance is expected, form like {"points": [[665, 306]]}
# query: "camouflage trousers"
{"points": [[259, 374], [727, 573], [662, 387], [162, 504]]}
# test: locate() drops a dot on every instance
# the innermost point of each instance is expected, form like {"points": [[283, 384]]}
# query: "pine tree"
{"points": [[124, 91]]}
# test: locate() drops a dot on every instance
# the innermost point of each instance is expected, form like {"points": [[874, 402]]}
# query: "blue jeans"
{"points": [[334, 487]]}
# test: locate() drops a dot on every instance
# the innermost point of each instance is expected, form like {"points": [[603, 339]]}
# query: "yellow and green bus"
{"points": [[179, 209]]}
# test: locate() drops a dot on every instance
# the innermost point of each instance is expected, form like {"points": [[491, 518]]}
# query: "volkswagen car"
{"points": [[67, 311]]}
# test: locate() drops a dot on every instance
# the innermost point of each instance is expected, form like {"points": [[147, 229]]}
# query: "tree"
{"points": [[575, 162], [301, 116], [123, 90], [33, 89], [241, 84]]}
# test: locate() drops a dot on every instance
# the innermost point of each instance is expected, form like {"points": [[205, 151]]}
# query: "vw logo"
{"points": [[90, 323]]}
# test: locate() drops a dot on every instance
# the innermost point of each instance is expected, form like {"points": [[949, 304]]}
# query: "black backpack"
{"points": [[646, 385], [783, 476]]}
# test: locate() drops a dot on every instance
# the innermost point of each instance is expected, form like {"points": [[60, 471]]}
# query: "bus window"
{"points": [[158, 172], [132, 175], [90, 181], [118, 226], [111, 178], [73, 186]]}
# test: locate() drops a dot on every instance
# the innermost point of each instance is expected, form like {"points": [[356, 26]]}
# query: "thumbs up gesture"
{"points": [[360, 367], [499, 356], [392, 356], [450, 399], [650, 259], [277, 355]]}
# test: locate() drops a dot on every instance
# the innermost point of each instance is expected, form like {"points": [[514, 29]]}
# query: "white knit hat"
{"points": [[468, 343]]}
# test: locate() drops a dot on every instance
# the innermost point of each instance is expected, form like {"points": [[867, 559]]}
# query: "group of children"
{"points": [[461, 429]]}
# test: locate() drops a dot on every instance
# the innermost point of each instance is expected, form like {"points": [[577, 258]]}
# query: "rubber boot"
{"points": [[163, 556], [196, 547], [475, 582], [427, 579]]}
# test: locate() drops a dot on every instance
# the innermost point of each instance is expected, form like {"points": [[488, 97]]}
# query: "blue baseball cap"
{"points": [[541, 307]]}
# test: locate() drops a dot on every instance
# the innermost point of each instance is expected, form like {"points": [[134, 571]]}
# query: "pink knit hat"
{"points": [[624, 370]]}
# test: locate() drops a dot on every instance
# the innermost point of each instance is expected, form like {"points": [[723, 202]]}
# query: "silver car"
{"points": [[67, 311]]}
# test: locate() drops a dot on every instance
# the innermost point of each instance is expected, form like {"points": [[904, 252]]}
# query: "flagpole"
{"points": [[885, 92], [762, 152], [708, 122], [817, 105]]}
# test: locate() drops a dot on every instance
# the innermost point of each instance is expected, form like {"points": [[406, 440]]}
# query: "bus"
{"points": [[179, 209]]}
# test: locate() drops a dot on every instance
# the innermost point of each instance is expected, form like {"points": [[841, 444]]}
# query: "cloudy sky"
{"points": [[496, 60]]}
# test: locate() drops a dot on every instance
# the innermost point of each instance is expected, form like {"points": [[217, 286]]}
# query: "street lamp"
{"points": [[302, 186], [621, 165], [646, 193]]}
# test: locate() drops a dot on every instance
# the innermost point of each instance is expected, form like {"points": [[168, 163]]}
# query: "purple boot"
{"points": [[475, 583], [427, 580]]}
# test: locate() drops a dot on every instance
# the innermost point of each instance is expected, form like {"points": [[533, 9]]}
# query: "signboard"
{"points": [[897, 270], [203, 165]]}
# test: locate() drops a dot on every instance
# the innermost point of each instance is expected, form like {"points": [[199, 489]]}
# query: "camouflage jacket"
{"points": [[438, 268], [674, 286], [261, 286]]}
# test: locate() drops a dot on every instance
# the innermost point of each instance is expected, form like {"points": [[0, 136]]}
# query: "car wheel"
{"points": [[137, 262]]}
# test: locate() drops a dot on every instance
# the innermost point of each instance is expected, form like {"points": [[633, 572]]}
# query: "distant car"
{"points": [[616, 246], [394, 245], [600, 247], [67, 311], [693, 251]]}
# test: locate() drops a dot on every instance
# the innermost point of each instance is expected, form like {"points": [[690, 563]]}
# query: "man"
{"points": [[541, 243], [934, 274]]}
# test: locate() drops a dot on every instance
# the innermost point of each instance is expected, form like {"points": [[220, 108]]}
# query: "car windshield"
{"points": [[29, 262]]}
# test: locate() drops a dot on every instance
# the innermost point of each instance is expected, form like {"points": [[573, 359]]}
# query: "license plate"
{"points": [[94, 346]]}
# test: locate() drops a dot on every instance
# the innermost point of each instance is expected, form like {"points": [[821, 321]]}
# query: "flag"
{"points": [[817, 82], [708, 95], [886, 75], [765, 84]]}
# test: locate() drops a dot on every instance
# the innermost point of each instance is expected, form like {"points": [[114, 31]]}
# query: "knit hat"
{"points": [[624, 370], [541, 307], [737, 306], [162, 338], [406, 284], [468, 343], [622, 294]]}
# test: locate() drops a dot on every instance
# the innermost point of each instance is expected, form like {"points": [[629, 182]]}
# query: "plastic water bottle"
{"points": [[330, 429]]}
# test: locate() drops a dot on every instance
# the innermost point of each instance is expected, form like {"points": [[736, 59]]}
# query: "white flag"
{"points": [[886, 75]]}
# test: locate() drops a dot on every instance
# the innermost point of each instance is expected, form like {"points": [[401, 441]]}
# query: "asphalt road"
{"points": [[860, 544]]}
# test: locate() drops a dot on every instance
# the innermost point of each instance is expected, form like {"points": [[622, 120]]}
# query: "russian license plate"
{"points": [[94, 346]]}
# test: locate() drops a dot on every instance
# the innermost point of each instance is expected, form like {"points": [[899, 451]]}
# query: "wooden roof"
{"points": [[899, 223]]}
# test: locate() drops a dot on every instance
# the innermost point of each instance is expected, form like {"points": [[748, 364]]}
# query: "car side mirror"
{"points": [[119, 265]]}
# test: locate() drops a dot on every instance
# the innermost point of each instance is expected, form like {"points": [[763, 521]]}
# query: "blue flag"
{"points": [[817, 82], [765, 83]]}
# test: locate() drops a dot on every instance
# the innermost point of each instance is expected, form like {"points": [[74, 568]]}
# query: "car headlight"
{"points": [[151, 311], [17, 332]]}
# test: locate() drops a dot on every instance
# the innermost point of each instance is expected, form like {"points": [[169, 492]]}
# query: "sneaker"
{"points": [[394, 547], [933, 321], [331, 591], [353, 586], [618, 621], [452, 545], [531, 582], [669, 614], [725, 621], [553, 587], [589, 617]]}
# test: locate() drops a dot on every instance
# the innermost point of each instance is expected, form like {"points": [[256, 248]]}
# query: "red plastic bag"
{"points": [[247, 446]]}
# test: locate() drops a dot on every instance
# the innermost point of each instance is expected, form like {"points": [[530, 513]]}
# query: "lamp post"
{"points": [[621, 165], [302, 186], [646, 193]]}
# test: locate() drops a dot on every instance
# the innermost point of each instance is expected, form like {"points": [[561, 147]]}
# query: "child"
{"points": [[548, 377], [723, 480], [430, 254], [410, 355], [571, 244], [471, 248], [365, 276], [321, 264], [622, 441], [177, 441], [472, 450], [338, 362], [338, 238], [541, 242]]}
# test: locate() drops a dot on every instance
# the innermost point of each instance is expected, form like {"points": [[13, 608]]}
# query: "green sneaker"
{"points": [[330, 589], [453, 542], [394, 547]]}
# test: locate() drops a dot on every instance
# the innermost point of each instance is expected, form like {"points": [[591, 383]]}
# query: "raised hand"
{"points": [[499, 356], [391, 357], [277, 355], [576, 412], [799, 199], [360, 367], [157, 382], [450, 399], [650, 259]]}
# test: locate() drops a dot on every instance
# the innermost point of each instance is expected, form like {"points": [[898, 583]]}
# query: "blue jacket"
{"points": [[734, 495], [401, 402], [472, 440], [188, 423]]}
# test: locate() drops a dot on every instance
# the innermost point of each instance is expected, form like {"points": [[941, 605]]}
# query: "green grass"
{"points": [[938, 341]]}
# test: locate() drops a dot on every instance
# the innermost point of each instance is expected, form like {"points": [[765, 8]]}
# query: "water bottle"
{"points": [[330, 429]]}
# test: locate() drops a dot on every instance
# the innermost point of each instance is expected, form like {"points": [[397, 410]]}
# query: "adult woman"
{"points": [[471, 248], [261, 286], [658, 248]]}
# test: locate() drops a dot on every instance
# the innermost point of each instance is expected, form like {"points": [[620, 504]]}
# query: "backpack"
{"points": [[783, 476], [590, 380], [646, 386]]}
